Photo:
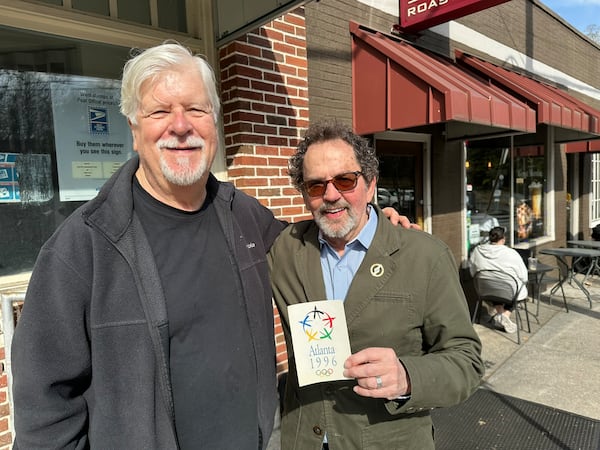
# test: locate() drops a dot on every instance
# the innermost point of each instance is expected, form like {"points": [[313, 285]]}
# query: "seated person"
{"points": [[497, 256]]}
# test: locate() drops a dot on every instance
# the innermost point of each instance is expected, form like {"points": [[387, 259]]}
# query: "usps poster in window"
{"points": [[92, 137], [320, 339]]}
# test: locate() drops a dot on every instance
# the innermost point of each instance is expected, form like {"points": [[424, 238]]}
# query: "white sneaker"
{"points": [[504, 322], [497, 321]]}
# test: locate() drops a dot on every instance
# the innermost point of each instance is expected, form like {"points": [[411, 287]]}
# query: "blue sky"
{"points": [[579, 13]]}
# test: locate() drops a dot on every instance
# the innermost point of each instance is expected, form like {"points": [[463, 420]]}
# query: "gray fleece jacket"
{"points": [[90, 354]]}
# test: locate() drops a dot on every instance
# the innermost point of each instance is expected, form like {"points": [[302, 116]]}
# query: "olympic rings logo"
{"points": [[324, 372]]}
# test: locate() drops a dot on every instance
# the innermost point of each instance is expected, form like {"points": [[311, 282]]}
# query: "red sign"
{"points": [[417, 15]]}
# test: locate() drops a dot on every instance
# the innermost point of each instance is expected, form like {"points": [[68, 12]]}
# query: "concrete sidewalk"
{"points": [[558, 363]]}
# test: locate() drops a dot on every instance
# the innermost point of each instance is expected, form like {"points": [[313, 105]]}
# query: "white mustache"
{"points": [[191, 141]]}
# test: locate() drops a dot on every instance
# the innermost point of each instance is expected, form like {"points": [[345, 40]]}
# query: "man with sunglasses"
{"points": [[413, 344]]}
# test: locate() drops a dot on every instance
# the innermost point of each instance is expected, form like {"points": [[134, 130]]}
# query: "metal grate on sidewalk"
{"points": [[493, 421]]}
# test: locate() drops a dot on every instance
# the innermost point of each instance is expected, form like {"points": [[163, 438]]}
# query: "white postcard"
{"points": [[320, 340]]}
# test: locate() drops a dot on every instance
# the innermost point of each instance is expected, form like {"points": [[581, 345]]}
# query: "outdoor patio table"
{"points": [[561, 254], [594, 267], [587, 243]]}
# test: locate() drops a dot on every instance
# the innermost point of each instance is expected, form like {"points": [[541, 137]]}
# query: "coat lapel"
{"points": [[308, 264], [376, 269]]}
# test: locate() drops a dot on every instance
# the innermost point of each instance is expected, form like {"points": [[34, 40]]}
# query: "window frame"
{"points": [[594, 190], [549, 216], [67, 22]]}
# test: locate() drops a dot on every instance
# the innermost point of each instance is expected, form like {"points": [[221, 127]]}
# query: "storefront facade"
{"points": [[472, 120], [477, 122], [60, 66], [491, 99], [61, 133], [455, 171]]}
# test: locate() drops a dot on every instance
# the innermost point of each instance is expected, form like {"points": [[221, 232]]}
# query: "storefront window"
{"points": [[59, 136], [138, 12], [171, 14], [505, 188], [529, 186], [595, 191], [92, 6]]}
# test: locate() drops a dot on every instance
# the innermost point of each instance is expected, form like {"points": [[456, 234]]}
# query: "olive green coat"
{"points": [[417, 307]]}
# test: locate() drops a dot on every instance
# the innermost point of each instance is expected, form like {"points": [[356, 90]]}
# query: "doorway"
{"points": [[400, 183]]}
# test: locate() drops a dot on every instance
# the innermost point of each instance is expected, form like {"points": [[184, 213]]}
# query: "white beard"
{"points": [[336, 229], [184, 173]]}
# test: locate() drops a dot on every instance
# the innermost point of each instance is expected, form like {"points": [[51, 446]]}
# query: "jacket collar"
{"points": [[112, 209]]}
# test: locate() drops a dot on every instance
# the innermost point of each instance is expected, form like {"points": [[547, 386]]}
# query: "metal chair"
{"points": [[498, 286]]}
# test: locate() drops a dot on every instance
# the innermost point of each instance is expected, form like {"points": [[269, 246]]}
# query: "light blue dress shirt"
{"points": [[338, 272]]}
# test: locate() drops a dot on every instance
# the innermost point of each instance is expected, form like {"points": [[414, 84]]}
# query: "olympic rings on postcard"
{"points": [[324, 372]]}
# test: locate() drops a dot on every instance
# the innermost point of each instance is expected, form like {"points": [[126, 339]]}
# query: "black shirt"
{"points": [[212, 362]]}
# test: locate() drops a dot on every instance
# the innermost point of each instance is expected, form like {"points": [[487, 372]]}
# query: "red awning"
{"points": [[396, 86], [572, 118], [583, 146]]}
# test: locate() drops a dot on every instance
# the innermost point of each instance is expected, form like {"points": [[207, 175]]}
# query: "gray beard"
{"points": [[337, 230], [184, 175]]}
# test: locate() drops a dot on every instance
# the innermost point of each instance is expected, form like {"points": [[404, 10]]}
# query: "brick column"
{"points": [[264, 89], [5, 428]]}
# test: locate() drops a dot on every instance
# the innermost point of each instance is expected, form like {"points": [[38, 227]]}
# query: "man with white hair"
{"points": [[148, 321]]}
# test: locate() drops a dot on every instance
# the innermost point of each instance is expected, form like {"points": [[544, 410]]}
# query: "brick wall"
{"points": [[264, 90], [329, 53], [5, 426]]}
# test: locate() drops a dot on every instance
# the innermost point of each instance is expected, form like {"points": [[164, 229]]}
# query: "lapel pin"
{"points": [[377, 270]]}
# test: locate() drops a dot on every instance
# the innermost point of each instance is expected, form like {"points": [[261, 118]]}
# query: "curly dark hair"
{"points": [[329, 130]]}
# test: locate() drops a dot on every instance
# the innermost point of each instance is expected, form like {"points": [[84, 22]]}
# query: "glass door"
{"points": [[400, 183]]}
